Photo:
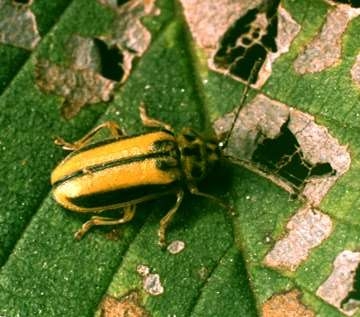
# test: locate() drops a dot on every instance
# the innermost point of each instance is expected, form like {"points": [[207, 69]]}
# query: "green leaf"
{"points": [[221, 271]]}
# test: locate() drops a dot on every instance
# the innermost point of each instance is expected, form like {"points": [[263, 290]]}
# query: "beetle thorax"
{"points": [[197, 155]]}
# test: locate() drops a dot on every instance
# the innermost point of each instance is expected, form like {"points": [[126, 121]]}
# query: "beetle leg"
{"points": [[165, 221], [151, 122], [115, 131], [195, 191], [129, 212]]}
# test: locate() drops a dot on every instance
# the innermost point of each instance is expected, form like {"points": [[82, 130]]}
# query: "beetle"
{"points": [[124, 171]]}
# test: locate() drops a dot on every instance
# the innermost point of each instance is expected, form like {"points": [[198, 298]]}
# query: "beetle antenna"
{"points": [[251, 77]]}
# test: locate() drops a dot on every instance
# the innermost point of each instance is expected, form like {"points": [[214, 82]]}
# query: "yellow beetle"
{"points": [[122, 172]]}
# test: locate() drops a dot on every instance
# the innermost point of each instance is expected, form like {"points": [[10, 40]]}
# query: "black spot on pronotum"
{"points": [[283, 157], [111, 61], [192, 151]]}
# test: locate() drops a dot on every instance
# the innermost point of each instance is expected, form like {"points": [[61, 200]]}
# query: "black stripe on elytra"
{"points": [[112, 140], [110, 164], [104, 199]]}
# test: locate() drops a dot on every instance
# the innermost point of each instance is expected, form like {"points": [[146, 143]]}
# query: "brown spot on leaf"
{"points": [[306, 230], [286, 146], [128, 33], [152, 284], [340, 282], [151, 281], [95, 65], [209, 20], [18, 25], [127, 306], [203, 273], [324, 50], [286, 305], [355, 71], [78, 86], [176, 247]]}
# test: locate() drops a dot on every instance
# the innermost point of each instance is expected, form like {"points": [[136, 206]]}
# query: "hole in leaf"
{"points": [[111, 61], [353, 3], [247, 42], [283, 156], [353, 297]]}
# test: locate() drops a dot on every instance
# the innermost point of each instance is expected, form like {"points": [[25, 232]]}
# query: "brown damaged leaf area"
{"points": [[209, 20], [78, 87], [79, 82], [288, 29], [324, 50], [212, 22], [236, 35], [125, 307], [286, 305], [176, 247], [307, 229], [286, 146], [340, 282], [18, 25], [94, 66], [151, 281], [127, 33], [355, 71], [353, 3]]}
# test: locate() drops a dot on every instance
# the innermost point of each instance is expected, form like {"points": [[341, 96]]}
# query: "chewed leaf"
{"points": [[288, 145], [308, 228], [94, 64], [338, 289], [237, 35], [275, 234], [77, 86]]}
